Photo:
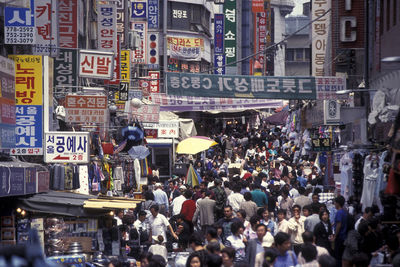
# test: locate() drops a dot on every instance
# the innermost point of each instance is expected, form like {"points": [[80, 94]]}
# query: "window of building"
{"points": [[289, 54], [299, 54], [307, 52]]}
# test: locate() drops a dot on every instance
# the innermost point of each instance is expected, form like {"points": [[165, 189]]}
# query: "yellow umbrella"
{"points": [[194, 145]]}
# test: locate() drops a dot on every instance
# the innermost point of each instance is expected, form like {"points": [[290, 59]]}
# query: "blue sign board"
{"points": [[29, 130], [135, 94], [17, 16], [139, 10], [152, 11], [19, 25], [219, 62], [219, 34], [12, 181]]}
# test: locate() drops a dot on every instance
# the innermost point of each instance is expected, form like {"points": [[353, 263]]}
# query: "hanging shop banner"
{"points": [[230, 31], [116, 75], [206, 85], [95, 64], [257, 6], [188, 103], [185, 48], [7, 103], [327, 87], [139, 9], [219, 63], [12, 181], [147, 113], [140, 53], [152, 14], [106, 27], [219, 33], [122, 21], [19, 25], [165, 129], [125, 66], [86, 109], [46, 16], [123, 91], [66, 71], [154, 86], [68, 23], [320, 36], [261, 36], [66, 147]]}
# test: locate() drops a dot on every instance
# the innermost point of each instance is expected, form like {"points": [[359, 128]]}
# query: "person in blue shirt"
{"points": [[259, 197], [301, 179], [286, 257], [340, 228]]}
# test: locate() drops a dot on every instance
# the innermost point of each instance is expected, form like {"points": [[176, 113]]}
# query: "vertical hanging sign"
{"points": [[29, 105], [122, 15], [139, 54], [106, 27], [46, 27], [125, 70], [152, 14], [230, 31], [68, 23], [219, 56]]}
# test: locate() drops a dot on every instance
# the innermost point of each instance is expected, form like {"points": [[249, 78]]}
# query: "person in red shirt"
{"points": [[188, 209]]}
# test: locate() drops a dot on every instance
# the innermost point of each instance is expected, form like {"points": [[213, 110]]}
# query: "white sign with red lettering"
{"points": [[107, 27], [147, 113], [86, 109], [95, 64], [165, 129], [63, 147], [139, 54], [46, 16]]}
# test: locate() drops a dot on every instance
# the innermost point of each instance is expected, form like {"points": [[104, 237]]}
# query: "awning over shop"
{"points": [[75, 205], [278, 118], [111, 203]]}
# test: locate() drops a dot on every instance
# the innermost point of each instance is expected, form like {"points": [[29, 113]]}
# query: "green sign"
{"points": [[230, 31], [236, 86]]}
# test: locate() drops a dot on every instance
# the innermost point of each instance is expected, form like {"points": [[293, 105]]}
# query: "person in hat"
{"points": [[178, 201], [161, 198], [268, 242], [158, 248]]}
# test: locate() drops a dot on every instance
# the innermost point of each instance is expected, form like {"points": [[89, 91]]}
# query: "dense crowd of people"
{"points": [[262, 201]]}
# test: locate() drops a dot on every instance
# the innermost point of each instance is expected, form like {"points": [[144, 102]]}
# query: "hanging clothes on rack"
{"points": [[83, 176], [371, 173], [118, 177], [346, 175]]}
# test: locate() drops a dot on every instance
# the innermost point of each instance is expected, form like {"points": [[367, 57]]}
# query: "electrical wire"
{"points": [[269, 47]]}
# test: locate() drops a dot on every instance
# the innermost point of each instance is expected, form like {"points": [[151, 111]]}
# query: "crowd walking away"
{"points": [[257, 199]]}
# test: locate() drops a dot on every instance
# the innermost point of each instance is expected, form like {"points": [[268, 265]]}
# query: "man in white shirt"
{"points": [[367, 214], [282, 223], [159, 224], [118, 217], [178, 201], [235, 199], [161, 198]]}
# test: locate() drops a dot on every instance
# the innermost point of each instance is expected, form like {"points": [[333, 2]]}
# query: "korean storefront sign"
{"points": [[257, 6], [7, 103], [19, 25], [327, 87], [154, 81], [152, 14], [147, 113], [122, 21], [139, 9], [29, 101], [66, 147], [230, 31], [165, 129], [95, 64], [189, 103], [185, 48], [107, 27], [68, 23], [46, 16], [262, 35], [86, 109], [139, 54], [236, 86], [65, 71], [125, 71], [319, 34], [219, 56]]}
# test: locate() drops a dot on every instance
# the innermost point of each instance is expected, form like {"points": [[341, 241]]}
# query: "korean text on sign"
{"points": [[65, 71], [68, 23], [19, 25], [96, 65], [46, 16], [67, 147], [107, 27]]}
